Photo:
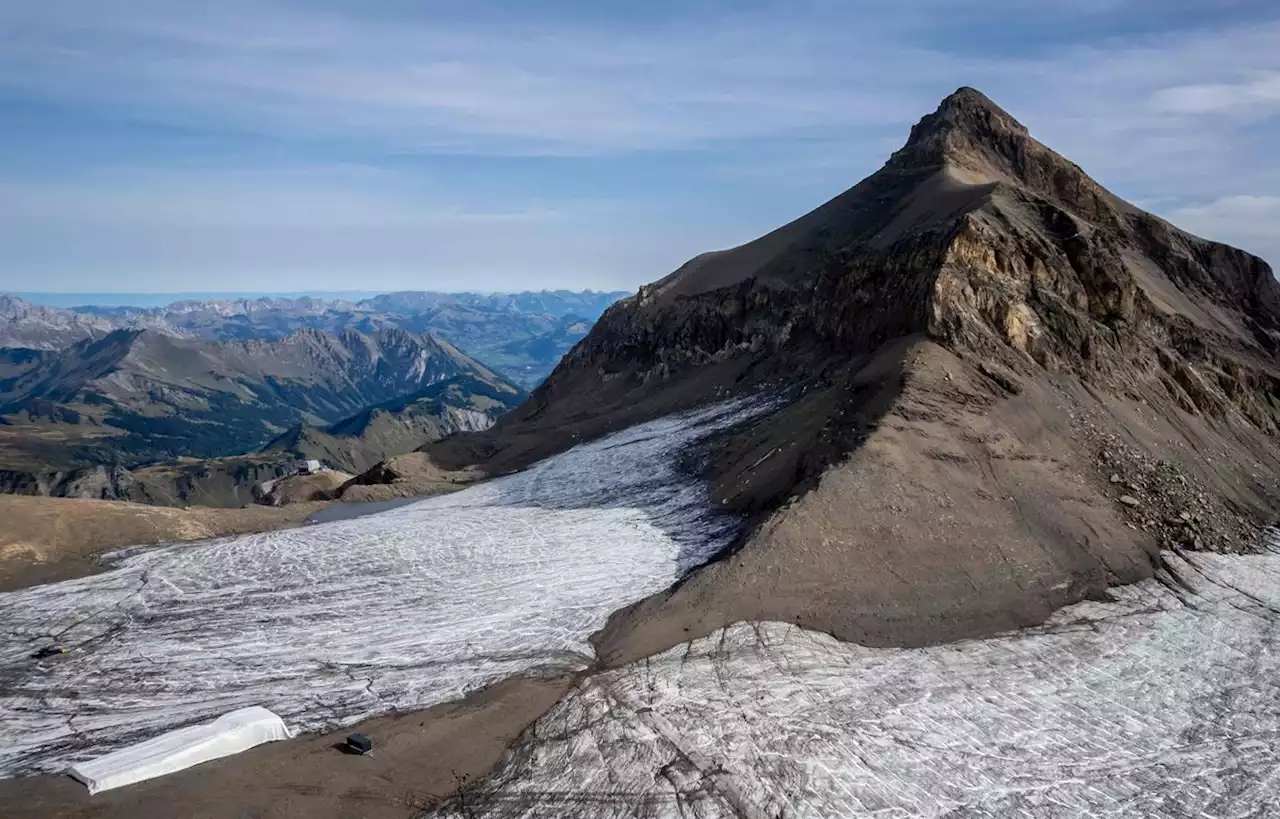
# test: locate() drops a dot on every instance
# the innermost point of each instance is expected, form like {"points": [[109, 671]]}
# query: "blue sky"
{"points": [[153, 145]]}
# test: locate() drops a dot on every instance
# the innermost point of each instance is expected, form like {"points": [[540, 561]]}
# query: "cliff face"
{"points": [[1055, 269], [1007, 389], [217, 482]]}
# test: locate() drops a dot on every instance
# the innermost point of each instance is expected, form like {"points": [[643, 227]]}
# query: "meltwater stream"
{"points": [[331, 623]]}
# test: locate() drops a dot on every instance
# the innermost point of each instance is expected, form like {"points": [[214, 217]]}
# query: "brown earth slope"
{"points": [[1011, 388], [422, 758], [43, 540]]}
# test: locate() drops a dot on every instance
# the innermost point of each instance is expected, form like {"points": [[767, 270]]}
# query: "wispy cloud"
{"points": [[1248, 222], [335, 197], [510, 87], [701, 126], [1259, 94], [313, 227]]}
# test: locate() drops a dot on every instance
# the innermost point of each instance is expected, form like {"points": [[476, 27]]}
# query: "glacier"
{"points": [[331, 623], [1162, 701]]}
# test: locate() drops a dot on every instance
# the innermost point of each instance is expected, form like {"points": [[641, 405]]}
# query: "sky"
{"points": [[160, 146]]}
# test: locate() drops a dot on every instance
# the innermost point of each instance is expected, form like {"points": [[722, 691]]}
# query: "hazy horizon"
{"points": [[71, 299]]}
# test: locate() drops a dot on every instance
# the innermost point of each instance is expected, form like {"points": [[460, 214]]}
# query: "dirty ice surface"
{"points": [[334, 622], [1163, 702]]}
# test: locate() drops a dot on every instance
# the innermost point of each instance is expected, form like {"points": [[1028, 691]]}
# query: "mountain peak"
{"points": [[966, 98], [973, 111], [966, 123], [12, 307]]}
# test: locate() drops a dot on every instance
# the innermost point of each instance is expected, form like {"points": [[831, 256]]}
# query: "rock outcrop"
{"points": [[214, 482]]}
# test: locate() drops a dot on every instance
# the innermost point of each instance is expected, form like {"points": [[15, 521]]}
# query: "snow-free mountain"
{"points": [[521, 335], [739, 534], [462, 403], [134, 397], [99, 401]]}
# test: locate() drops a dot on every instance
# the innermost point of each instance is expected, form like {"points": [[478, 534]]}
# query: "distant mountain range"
{"points": [[140, 415], [161, 299], [521, 335], [139, 395], [463, 403], [199, 401]]}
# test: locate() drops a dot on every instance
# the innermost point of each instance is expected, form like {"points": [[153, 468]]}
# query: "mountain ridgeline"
{"points": [[202, 401], [462, 403], [81, 421], [1005, 389], [522, 335]]}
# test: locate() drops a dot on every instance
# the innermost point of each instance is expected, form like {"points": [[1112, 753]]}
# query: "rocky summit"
{"points": [[1006, 389], [976, 395]]}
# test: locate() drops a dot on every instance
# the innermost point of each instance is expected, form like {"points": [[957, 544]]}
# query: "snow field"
{"points": [[1163, 702]]}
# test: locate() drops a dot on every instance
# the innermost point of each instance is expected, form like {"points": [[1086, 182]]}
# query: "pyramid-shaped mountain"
{"points": [[1006, 389]]}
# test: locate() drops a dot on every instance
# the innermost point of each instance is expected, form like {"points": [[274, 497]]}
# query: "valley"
{"points": [[166, 397], [171, 412]]}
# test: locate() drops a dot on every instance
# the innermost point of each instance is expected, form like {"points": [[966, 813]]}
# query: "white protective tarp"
{"points": [[228, 734]]}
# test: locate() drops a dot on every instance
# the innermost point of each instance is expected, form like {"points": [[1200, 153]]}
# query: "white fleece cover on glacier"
{"points": [[228, 734]]}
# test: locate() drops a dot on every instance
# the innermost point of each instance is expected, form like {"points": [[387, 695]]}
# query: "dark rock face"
{"points": [[220, 482], [106, 483]]}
